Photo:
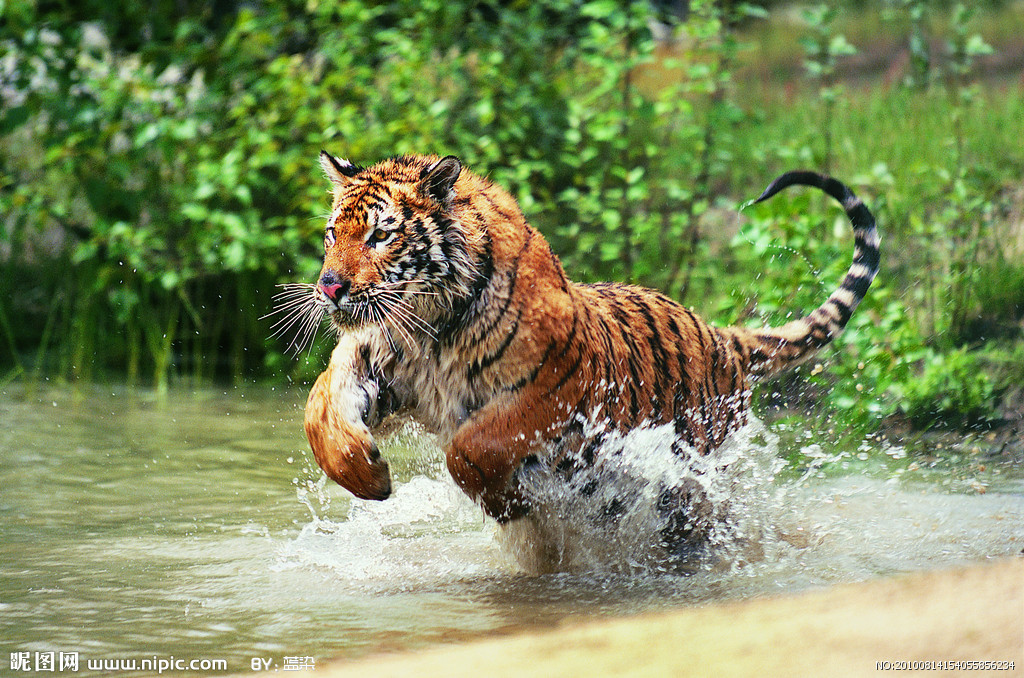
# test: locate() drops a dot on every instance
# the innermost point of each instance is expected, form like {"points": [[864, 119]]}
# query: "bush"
{"points": [[954, 391]]}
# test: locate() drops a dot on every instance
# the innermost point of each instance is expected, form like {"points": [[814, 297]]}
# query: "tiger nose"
{"points": [[332, 287]]}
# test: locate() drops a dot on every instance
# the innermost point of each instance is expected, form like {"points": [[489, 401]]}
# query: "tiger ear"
{"points": [[337, 170], [439, 180]]}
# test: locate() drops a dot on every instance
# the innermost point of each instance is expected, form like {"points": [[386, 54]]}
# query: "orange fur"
{"points": [[454, 311], [341, 444]]}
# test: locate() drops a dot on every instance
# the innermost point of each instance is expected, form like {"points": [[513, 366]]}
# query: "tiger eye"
{"points": [[380, 234]]}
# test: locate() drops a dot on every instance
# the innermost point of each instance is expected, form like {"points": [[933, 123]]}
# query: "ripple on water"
{"points": [[191, 539]]}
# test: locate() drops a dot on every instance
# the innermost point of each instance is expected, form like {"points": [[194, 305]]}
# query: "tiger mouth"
{"points": [[343, 320], [347, 312], [384, 307]]}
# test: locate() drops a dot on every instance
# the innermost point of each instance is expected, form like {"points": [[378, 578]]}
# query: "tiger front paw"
{"points": [[335, 422]]}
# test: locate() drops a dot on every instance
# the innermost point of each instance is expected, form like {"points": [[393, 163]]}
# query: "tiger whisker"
{"points": [[293, 297], [284, 323], [414, 321], [295, 287], [291, 313], [388, 311], [379, 320], [307, 331], [284, 298], [402, 309], [399, 304], [296, 307], [391, 313], [400, 325], [286, 305], [390, 287], [283, 301], [310, 338], [304, 334], [425, 293]]}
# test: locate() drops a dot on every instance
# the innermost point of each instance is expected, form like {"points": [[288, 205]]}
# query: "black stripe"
{"points": [[447, 243], [716, 355], [632, 355], [572, 331], [609, 366], [462, 311], [573, 369], [673, 328], [844, 312], [703, 391], [589, 451], [505, 214], [857, 284], [682, 389], [865, 253], [736, 364], [740, 349], [716, 364], [513, 278], [532, 377], [421, 239], [557, 264], [659, 358], [477, 367], [567, 465]]}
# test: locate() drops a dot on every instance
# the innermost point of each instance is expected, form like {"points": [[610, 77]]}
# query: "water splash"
{"points": [[622, 514], [648, 504], [426, 532], [618, 516]]}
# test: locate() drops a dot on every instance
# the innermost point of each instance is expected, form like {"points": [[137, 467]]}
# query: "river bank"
{"points": [[971, 614]]}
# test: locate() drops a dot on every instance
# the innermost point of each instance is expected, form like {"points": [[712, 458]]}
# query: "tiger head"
{"points": [[395, 254]]}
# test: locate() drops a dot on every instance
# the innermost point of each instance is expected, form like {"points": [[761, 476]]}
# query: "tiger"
{"points": [[451, 310]]}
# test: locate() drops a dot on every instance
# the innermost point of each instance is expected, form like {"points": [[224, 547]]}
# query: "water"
{"points": [[198, 527]]}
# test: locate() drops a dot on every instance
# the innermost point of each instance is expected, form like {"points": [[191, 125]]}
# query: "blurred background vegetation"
{"points": [[158, 172]]}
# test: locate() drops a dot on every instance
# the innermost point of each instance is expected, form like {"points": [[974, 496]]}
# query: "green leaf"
{"points": [[170, 279], [13, 118], [976, 46], [838, 46], [752, 11]]}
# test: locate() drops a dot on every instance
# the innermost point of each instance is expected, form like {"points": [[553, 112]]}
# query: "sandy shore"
{"points": [[970, 614]]}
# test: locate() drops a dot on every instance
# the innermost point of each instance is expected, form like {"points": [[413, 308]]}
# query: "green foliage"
{"points": [[953, 391], [919, 75], [823, 48], [639, 168], [180, 176], [158, 171]]}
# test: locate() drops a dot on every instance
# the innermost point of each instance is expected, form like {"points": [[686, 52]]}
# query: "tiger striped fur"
{"points": [[452, 310]]}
